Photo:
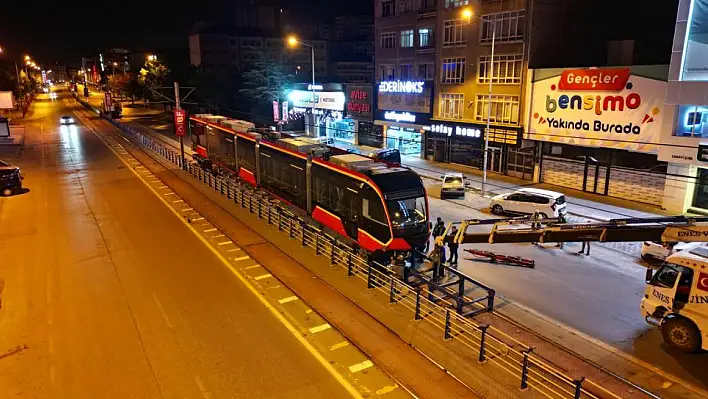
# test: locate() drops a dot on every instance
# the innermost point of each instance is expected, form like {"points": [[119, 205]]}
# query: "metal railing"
{"points": [[425, 300]]}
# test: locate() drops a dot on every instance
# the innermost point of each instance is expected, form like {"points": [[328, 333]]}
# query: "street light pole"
{"points": [[312, 51], [489, 111]]}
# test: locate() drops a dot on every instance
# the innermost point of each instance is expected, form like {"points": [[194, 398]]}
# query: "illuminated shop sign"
{"points": [[312, 87], [399, 116], [462, 131], [398, 86]]}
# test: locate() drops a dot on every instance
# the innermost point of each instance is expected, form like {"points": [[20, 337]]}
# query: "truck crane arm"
{"points": [[519, 230]]}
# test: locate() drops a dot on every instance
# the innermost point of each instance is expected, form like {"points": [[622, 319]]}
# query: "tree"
{"points": [[153, 75], [118, 84], [266, 81]]}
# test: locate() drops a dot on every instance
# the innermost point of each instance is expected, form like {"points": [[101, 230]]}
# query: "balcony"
{"points": [[426, 49], [428, 9]]}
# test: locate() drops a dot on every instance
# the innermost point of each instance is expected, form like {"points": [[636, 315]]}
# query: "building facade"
{"points": [[685, 133], [447, 45]]}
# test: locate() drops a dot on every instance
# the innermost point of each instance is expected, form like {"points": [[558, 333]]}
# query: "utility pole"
{"points": [[181, 139]]}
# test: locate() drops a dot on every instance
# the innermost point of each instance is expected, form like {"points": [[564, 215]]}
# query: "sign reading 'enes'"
{"points": [[603, 107]]}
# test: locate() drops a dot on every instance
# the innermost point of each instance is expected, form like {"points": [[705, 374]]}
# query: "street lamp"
{"points": [[114, 68], [468, 14], [152, 57], [293, 42]]}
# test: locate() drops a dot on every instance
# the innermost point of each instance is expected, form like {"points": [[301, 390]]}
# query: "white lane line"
{"points": [[262, 276], [226, 242], [168, 194], [240, 258], [251, 267], [234, 250], [320, 328], [339, 345], [209, 230], [288, 299], [177, 201], [386, 389], [197, 219], [308, 311], [361, 366], [217, 236], [204, 392], [187, 209], [162, 310]]}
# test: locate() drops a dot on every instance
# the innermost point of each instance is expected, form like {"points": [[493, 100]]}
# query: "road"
{"points": [[597, 295], [98, 301]]}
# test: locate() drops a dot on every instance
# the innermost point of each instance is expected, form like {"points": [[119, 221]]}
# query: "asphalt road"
{"points": [[106, 294]]}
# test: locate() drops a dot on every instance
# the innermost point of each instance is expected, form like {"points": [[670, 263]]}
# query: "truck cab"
{"points": [[676, 300]]}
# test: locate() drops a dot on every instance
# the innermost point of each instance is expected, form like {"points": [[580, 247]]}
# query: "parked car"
{"points": [[655, 250], [10, 179], [453, 184], [549, 204]]}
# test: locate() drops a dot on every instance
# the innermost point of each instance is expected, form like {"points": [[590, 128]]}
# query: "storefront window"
{"points": [[370, 134], [605, 156], [405, 140], [342, 130], [695, 57], [700, 196], [692, 121], [466, 153]]}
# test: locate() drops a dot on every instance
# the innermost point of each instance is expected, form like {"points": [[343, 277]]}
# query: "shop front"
{"points": [[359, 110], [403, 110], [326, 118], [598, 130], [463, 143]]}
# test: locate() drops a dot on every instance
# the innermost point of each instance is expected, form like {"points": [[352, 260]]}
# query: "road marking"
{"points": [[234, 249], [288, 299], [168, 194], [197, 219], [204, 392], [251, 267], [361, 366], [273, 310], [209, 230], [226, 242], [177, 201], [217, 236], [386, 389], [339, 345], [262, 276], [162, 310], [241, 258], [308, 311], [187, 209], [320, 328]]}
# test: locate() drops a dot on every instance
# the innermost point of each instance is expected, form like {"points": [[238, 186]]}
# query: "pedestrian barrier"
{"points": [[427, 302]]}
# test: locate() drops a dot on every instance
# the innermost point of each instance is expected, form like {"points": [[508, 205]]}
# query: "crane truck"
{"points": [[676, 295]]}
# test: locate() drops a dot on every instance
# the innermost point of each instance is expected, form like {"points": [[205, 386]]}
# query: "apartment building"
{"points": [[405, 51], [445, 47], [231, 49]]}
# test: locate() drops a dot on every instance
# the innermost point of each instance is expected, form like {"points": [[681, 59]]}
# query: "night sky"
{"points": [[65, 30]]}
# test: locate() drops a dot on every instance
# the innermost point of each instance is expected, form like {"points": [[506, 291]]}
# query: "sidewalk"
{"points": [[581, 204]]}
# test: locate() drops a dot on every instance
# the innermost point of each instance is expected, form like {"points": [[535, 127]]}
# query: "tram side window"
{"points": [[247, 154], [280, 173], [337, 193], [374, 216]]}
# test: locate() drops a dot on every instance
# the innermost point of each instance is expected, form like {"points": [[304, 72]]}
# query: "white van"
{"points": [[526, 201]]}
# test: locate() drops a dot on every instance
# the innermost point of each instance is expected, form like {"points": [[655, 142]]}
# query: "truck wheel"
{"points": [[681, 334]]}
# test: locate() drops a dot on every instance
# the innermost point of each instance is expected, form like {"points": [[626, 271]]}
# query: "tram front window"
{"points": [[407, 212]]}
